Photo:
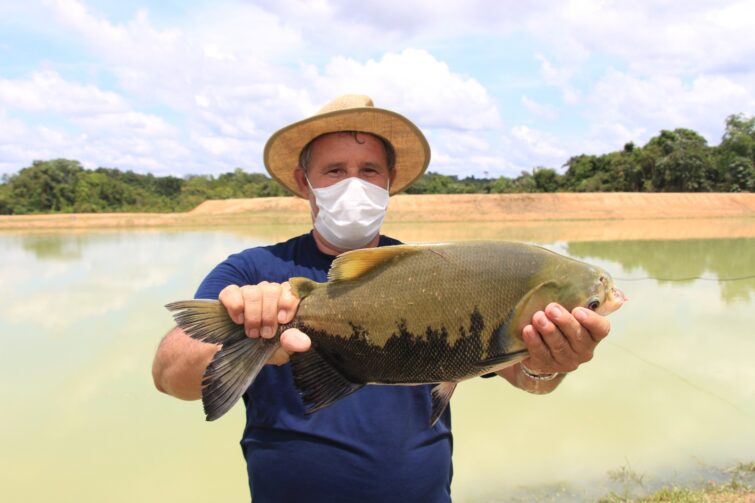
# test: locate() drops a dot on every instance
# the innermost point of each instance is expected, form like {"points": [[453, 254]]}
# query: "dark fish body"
{"points": [[407, 314]]}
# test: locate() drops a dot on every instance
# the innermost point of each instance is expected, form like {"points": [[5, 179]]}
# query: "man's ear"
{"points": [[301, 182], [392, 176]]}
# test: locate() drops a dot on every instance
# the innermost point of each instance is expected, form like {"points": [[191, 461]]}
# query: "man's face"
{"points": [[337, 156]]}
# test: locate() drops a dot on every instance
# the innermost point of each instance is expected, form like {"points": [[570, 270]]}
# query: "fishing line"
{"points": [[719, 280], [681, 378]]}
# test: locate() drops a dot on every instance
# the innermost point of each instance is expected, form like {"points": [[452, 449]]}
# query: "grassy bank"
{"points": [[740, 487]]}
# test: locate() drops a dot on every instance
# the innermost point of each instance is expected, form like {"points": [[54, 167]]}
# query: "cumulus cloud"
{"points": [[543, 110], [47, 91], [202, 91], [623, 103], [534, 144], [419, 85]]}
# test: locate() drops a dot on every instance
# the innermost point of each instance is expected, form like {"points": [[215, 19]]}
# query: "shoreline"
{"points": [[582, 216]]}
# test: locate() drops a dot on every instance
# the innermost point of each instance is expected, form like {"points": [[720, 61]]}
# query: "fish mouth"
{"points": [[614, 300]]}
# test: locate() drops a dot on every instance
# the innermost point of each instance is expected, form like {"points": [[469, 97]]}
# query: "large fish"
{"points": [[406, 314]]}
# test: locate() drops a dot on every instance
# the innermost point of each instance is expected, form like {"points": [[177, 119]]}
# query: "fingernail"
{"points": [[554, 312], [267, 332], [254, 333], [580, 314], [282, 316], [239, 319], [541, 320]]}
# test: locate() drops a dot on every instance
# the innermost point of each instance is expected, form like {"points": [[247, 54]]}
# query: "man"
{"points": [[375, 444]]}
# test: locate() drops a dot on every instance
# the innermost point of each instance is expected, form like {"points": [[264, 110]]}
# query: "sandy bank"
{"points": [[625, 215]]}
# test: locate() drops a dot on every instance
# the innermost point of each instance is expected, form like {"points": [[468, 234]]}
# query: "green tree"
{"points": [[546, 179], [681, 162], [45, 186], [736, 155]]}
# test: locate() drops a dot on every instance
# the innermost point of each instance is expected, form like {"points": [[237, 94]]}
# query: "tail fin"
{"points": [[237, 363]]}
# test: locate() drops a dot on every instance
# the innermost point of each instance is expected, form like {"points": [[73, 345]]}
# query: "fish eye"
{"points": [[593, 304]]}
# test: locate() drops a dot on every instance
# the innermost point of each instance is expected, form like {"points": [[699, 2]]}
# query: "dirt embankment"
{"points": [[702, 215]]}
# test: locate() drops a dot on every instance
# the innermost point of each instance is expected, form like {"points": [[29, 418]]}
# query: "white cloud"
{"points": [[545, 111], [525, 148], [623, 103], [652, 37], [47, 91], [413, 81], [201, 92]]}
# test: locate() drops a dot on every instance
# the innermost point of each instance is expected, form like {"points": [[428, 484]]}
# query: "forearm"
{"points": [[179, 364], [516, 376]]}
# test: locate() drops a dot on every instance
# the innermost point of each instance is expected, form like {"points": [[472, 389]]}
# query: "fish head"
{"points": [[604, 297]]}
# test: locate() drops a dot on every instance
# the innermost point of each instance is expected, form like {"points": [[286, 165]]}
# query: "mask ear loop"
{"points": [[311, 191]]}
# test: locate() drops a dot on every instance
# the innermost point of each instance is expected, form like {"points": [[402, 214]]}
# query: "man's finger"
{"points": [[287, 304], [269, 323], [540, 359], [252, 309], [596, 325], [295, 341], [578, 337], [233, 301], [557, 343], [292, 341]]}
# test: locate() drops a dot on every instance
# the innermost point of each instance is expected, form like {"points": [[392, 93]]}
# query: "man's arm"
{"points": [[180, 361], [179, 364], [557, 341]]}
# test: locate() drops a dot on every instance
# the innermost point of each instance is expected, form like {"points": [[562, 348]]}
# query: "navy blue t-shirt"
{"points": [[374, 445]]}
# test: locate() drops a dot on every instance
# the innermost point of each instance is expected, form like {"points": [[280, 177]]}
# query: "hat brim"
{"points": [[282, 150]]}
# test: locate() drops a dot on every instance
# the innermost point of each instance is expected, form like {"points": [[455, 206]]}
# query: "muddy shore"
{"points": [[582, 216]]}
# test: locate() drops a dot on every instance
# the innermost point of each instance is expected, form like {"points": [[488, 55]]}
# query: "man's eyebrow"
{"points": [[370, 164], [335, 165]]}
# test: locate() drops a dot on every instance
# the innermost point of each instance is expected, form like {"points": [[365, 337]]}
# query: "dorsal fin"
{"points": [[356, 263]]}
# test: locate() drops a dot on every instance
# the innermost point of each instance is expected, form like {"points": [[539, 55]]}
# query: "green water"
{"points": [[670, 394]]}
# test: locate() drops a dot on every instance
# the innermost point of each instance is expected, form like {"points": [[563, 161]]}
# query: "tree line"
{"points": [[673, 161]]}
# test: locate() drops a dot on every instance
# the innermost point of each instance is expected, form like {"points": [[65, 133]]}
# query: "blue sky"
{"points": [[497, 86]]}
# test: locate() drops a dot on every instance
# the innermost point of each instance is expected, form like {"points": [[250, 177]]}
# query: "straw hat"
{"points": [[349, 113]]}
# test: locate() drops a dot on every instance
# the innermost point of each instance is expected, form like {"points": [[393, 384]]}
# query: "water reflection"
{"points": [[672, 387], [682, 261], [55, 246]]}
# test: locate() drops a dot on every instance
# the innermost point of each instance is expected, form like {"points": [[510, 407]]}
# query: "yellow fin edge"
{"points": [[355, 264]]}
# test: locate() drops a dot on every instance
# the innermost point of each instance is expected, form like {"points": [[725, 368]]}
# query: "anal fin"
{"points": [[441, 396], [319, 383]]}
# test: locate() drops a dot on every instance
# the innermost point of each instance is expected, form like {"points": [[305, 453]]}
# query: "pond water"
{"points": [[670, 395]]}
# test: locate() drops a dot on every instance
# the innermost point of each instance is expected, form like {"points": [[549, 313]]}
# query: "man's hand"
{"points": [[560, 341], [261, 308], [557, 341]]}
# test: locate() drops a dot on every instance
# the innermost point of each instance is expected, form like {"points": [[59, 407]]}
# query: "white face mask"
{"points": [[350, 212]]}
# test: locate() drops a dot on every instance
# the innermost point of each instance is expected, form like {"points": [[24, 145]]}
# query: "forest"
{"points": [[679, 160]]}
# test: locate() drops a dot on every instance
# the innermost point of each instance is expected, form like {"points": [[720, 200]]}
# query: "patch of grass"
{"points": [[738, 489]]}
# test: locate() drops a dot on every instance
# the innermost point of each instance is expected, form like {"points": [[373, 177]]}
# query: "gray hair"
{"points": [[390, 153]]}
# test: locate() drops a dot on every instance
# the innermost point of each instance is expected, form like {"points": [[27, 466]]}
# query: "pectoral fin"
{"points": [[301, 287], [535, 300], [441, 396], [506, 341]]}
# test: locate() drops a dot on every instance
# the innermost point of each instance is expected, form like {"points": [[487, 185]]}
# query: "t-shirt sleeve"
{"points": [[234, 270]]}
